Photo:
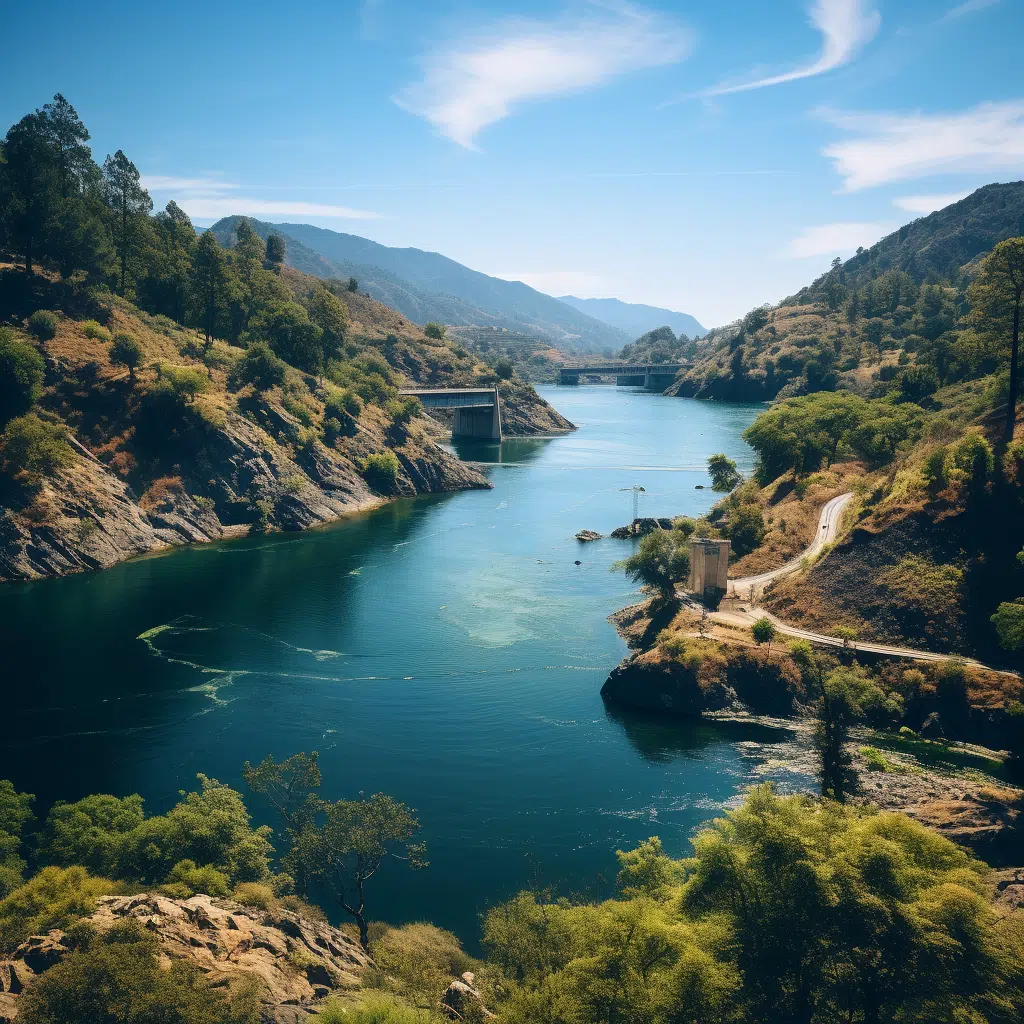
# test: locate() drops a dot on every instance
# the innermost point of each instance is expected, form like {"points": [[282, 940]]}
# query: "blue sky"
{"points": [[707, 156]]}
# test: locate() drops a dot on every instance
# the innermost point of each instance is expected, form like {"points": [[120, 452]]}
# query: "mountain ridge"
{"points": [[636, 318]]}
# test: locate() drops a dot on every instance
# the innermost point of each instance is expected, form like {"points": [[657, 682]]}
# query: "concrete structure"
{"points": [[709, 569], [655, 376], [477, 410]]}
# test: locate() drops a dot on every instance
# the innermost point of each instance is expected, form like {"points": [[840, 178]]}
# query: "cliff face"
{"points": [[524, 412], [297, 961]]}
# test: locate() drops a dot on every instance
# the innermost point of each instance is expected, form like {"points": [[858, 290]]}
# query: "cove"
{"points": [[445, 650]]}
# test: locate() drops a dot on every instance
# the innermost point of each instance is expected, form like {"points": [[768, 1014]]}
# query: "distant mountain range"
{"points": [[425, 286], [635, 318]]}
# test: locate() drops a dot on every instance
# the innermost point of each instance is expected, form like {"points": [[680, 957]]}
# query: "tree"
{"points": [[835, 714], [292, 335], [723, 472], [21, 375], [130, 203], [276, 249], [126, 351], [350, 842], [259, 367], [29, 183], [661, 559], [996, 298], [15, 814], [34, 446], [1008, 621], [745, 528], [764, 632], [68, 137], [353, 285], [209, 277], [166, 287], [435, 331], [330, 314], [504, 369]]}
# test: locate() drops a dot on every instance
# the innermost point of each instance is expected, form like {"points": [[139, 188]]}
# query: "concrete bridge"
{"points": [[477, 410], [656, 376]]}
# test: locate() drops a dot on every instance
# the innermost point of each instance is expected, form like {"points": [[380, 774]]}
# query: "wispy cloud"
{"points": [[845, 25], [212, 198], [970, 7], [986, 139], [560, 282], [929, 204], [477, 81], [836, 239]]}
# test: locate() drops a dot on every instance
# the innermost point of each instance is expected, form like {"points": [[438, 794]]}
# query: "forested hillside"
{"points": [[156, 388]]}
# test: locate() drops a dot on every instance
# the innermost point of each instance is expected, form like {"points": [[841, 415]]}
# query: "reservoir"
{"points": [[445, 650]]}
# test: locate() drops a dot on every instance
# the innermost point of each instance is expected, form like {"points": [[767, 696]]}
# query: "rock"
{"points": [[1010, 889], [932, 727], [641, 527], [297, 960], [587, 535], [698, 487], [462, 1000]]}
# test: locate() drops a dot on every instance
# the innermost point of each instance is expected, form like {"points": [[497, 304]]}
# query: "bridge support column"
{"points": [[478, 422]]}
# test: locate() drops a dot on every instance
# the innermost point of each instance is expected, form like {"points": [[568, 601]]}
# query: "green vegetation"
{"points": [[21, 375], [53, 898], [34, 447], [126, 351], [764, 632], [43, 324], [723, 472], [115, 978], [789, 909], [661, 560], [15, 814], [381, 470]]}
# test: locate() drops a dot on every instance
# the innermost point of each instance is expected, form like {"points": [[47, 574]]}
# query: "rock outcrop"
{"points": [[587, 535], [641, 527], [463, 1001], [297, 961]]}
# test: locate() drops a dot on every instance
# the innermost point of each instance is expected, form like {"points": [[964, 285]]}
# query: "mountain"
{"points": [[634, 317], [427, 286]]}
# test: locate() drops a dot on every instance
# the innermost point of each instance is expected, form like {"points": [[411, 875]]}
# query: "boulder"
{"points": [[462, 1000], [641, 527], [932, 727], [587, 535]]}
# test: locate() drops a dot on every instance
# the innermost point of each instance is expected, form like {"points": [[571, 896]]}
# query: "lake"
{"points": [[445, 650]]}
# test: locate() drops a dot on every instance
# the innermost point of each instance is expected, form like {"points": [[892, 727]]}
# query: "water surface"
{"points": [[446, 650]]}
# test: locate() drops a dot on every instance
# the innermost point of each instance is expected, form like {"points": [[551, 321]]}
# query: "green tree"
{"points": [[292, 335], [68, 137], [21, 375], [126, 351], [353, 285], [330, 314], [167, 283], [131, 204], [28, 186], [347, 846], [745, 528], [764, 631], [276, 249], [35, 447], [996, 297], [723, 472], [661, 560], [435, 330], [259, 367], [15, 814], [1008, 621], [835, 714], [209, 278], [52, 898], [504, 368]]}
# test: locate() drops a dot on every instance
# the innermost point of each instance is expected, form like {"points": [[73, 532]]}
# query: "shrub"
{"points": [[745, 528], [52, 899], [43, 324], [34, 446], [255, 894], [435, 331], [92, 329], [21, 375], [402, 410], [419, 960], [374, 1009], [504, 369], [260, 366], [116, 977], [195, 879], [381, 470]]}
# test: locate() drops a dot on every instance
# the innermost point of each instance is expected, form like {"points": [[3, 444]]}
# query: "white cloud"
{"points": [[478, 81], [836, 239], [846, 25], [211, 199], [986, 139], [924, 205], [560, 282], [970, 7]]}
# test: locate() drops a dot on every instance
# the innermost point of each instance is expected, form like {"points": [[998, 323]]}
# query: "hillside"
{"points": [[867, 319], [636, 318], [419, 282]]}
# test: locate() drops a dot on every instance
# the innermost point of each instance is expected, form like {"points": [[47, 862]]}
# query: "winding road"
{"points": [[751, 588]]}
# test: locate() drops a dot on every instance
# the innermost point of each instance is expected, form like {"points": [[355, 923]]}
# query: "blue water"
{"points": [[446, 650]]}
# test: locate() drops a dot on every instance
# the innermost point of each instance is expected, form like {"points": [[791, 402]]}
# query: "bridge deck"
{"points": [[453, 398]]}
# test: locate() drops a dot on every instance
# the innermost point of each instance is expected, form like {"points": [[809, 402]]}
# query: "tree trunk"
{"points": [[364, 931], [1011, 411]]}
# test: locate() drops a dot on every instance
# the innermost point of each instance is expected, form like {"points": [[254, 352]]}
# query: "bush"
{"points": [[92, 329], [381, 470], [195, 879], [52, 899], [21, 375], [435, 331], [43, 324], [34, 446], [186, 381], [260, 366], [255, 894], [374, 1009], [504, 369], [115, 978], [419, 960]]}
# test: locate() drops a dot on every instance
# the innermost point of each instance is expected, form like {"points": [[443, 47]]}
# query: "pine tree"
{"points": [[130, 202]]}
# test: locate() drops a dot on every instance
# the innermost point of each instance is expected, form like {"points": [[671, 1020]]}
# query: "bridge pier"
{"points": [[476, 412], [481, 423]]}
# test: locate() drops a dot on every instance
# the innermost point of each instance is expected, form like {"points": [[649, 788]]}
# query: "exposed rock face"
{"points": [[297, 961], [524, 412], [87, 517]]}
